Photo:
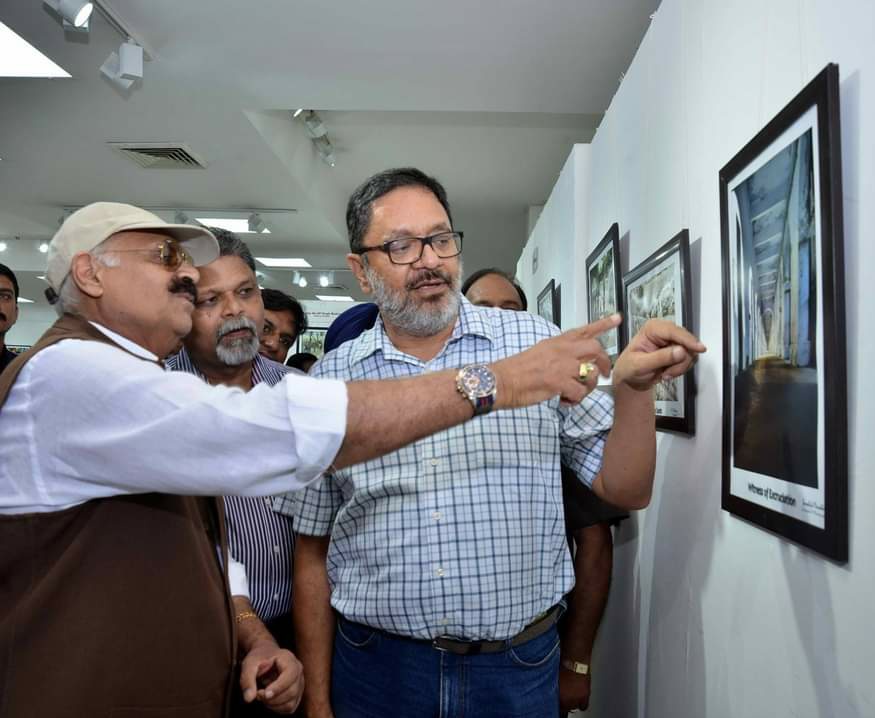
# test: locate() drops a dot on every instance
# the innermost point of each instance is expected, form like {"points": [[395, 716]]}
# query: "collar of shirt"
{"points": [[469, 322], [263, 369], [125, 343]]}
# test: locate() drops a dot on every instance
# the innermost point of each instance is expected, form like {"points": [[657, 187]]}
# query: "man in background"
{"points": [[8, 311], [587, 519], [284, 321], [222, 348]]}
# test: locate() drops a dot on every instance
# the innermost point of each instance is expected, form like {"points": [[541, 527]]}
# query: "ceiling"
{"points": [[488, 96]]}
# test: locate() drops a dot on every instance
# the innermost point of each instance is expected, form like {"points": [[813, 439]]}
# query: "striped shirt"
{"points": [[259, 538], [461, 533]]}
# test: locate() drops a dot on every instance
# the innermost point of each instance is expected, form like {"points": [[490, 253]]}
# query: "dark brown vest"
{"points": [[117, 607]]}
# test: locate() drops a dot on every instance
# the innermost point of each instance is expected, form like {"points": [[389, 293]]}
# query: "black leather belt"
{"points": [[539, 626]]}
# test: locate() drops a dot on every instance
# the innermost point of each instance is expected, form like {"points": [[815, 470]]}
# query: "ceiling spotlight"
{"points": [[302, 282], [3, 246], [314, 124], [296, 277], [323, 280], [74, 12], [44, 247], [125, 67], [256, 223]]}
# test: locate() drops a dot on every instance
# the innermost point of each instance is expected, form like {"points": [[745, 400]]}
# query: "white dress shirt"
{"points": [[86, 420]]}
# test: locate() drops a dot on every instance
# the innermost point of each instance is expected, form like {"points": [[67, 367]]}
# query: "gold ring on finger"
{"points": [[586, 368]]}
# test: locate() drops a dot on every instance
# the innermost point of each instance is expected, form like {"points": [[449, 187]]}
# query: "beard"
{"points": [[412, 315], [239, 350]]}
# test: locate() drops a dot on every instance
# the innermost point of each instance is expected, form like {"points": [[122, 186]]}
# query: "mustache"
{"points": [[184, 285], [429, 275], [235, 324]]}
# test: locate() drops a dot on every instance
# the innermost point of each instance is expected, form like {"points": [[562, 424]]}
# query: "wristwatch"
{"points": [[476, 382], [575, 666]]}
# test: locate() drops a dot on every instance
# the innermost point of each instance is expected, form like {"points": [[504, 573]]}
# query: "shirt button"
{"points": [[276, 548], [435, 462], [276, 597], [445, 621], [268, 501], [436, 515], [439, 572]]}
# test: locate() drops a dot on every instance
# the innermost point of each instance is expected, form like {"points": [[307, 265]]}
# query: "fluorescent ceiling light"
{"points": [[18, 58], [238, 226], [334, 298], [22, 300], [284, 262]]}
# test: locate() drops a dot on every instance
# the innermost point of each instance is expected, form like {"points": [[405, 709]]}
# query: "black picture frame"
{"points": [[547, 302], [784, 367], [603, 278], [312, 341], [660, 287]]}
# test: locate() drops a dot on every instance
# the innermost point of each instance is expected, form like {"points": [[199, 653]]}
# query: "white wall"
{"points": [[711, 616]]}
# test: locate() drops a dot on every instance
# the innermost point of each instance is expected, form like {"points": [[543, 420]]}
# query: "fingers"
{"points": [[284, 692], [668, 362], [249, 672], [599, 327], [670, 333]]}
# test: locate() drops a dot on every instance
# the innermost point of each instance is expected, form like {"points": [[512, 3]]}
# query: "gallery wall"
{"points": [[710, 615]]}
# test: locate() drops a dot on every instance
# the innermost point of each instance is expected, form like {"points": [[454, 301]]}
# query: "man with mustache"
{"points": [[113, 557], [8, 311], [222, 348], [446, 561]]}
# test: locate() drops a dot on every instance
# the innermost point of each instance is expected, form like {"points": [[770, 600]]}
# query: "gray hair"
{"points": [[358, 209], [69, 295], [230, 245]]}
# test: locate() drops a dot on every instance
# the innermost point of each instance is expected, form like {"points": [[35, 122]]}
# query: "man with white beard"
{"points": [[222, 348]]}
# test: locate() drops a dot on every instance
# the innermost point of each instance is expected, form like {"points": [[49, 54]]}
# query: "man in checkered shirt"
{"points": [[446, 561]]}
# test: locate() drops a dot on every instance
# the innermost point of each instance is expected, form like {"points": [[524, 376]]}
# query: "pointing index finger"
{"points": [[600, 326]]}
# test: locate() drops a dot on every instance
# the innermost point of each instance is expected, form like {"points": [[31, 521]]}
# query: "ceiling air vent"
{"points": [[160, 155]]}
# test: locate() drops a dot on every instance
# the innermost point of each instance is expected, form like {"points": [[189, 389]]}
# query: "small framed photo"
{"points": [[604, 288], [659, 288], [312, 341], [784, 372], [547, 302]]}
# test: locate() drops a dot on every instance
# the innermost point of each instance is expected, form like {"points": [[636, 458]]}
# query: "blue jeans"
{"points": [[377, 675]]}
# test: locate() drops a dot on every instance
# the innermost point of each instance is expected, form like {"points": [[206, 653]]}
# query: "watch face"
{"points": [[478, 381]]}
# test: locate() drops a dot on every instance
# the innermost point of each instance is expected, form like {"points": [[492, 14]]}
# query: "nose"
{"points": [[232, 306], [188, 270], [429, 258]]}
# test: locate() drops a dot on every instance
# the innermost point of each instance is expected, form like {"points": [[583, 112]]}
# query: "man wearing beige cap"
{"points": [[115, 598]]}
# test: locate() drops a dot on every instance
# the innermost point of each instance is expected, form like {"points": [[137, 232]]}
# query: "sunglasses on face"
{"points": [[169, 254]]}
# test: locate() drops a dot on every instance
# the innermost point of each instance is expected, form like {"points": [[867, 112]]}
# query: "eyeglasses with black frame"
{"points": [[169, 254], [407, 250]]}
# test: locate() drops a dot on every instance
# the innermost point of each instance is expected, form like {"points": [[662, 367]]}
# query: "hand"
{"points": [[660, 350], [573, 691], [279, 674], [552, 367]]}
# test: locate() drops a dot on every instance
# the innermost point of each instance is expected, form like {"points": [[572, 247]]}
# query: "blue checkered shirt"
{"points": [[461, 533]]}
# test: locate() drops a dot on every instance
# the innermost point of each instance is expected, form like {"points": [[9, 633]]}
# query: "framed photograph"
{"points": [[659, 288], [604, 287], [784, 375], [547, 302], [557, 306], [312, 341]]}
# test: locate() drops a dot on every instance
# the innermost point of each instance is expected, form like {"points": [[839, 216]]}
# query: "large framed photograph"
{"points": [[784, 376], [547, 302], [604, 288], [312, 342], [659, 288]]}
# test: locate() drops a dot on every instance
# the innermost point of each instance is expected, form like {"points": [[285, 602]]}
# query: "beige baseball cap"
{"points": [[86, 228]]}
